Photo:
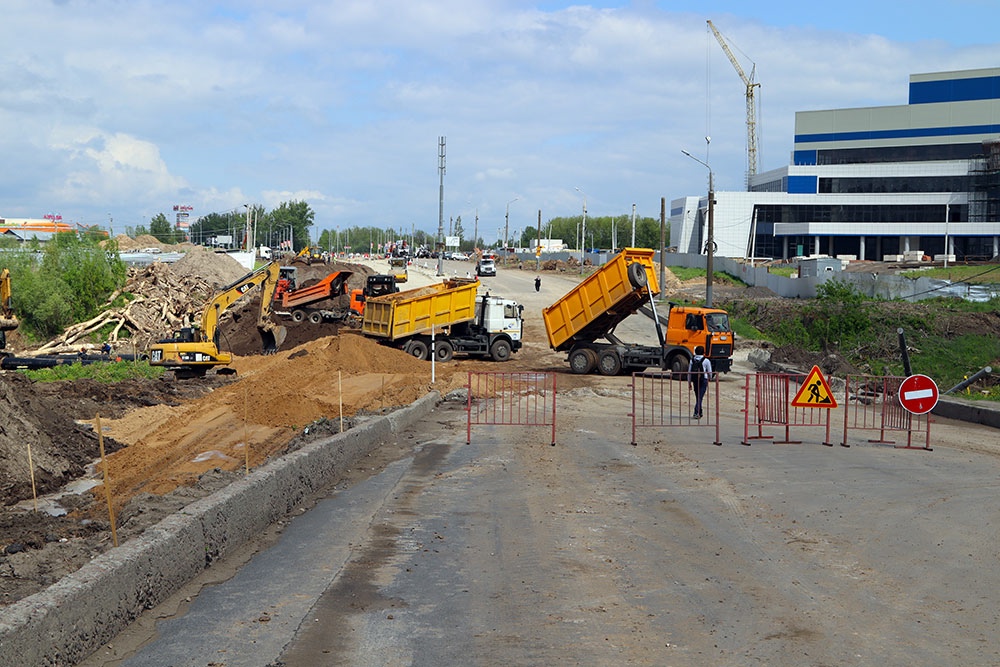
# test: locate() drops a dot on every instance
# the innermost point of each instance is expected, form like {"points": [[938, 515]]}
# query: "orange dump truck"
{"points": [[583, 321]]}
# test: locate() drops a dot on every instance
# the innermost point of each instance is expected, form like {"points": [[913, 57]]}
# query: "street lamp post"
{"points": [[506, 228], [583, 229], [710, 245]]}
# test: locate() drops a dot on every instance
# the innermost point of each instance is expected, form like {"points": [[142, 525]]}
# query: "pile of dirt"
{"points": [[39, 428], [216, 268]]}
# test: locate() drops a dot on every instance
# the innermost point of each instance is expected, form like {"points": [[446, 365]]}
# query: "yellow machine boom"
{"points": [[192, 351], [8, 322]]}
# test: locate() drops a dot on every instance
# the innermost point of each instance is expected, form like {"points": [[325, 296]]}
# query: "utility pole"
{"points": [[440, 239], [506, 229], [710, 244], [663, 249], [538, 242], [633, 226], [583, 230]]}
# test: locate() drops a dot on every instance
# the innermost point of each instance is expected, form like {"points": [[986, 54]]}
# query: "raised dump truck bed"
{"points": [[625, 284], [601, 301]]}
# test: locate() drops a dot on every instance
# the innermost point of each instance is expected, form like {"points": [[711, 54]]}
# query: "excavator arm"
{"points": [[192, 352], [8, 322]]}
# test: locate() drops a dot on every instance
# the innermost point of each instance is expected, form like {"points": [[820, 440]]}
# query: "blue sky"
{"points": [[121, 110]]}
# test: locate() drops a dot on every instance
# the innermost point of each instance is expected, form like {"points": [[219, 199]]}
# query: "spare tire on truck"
{"points": [[637, 275]]}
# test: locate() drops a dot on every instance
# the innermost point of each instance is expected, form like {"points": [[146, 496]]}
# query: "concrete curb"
{"points": [[71, 619], [976, 412]]}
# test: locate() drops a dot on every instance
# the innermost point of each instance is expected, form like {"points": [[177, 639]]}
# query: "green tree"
{"points": [[296, 216], [214, 225], [73, 279], [161, 228]]}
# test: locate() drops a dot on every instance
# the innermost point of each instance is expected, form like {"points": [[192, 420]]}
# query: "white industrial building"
{"points": [[872, 182]]}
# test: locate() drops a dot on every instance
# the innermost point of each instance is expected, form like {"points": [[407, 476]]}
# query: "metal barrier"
{"points": [[664, 400], [511, 399], [871, 403], [768, 403]]}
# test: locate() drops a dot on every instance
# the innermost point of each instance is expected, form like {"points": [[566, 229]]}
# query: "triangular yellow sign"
{"points": [[814, 392]]}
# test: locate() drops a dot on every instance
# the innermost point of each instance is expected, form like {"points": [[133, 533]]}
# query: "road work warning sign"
{"points": [[814, 392]]}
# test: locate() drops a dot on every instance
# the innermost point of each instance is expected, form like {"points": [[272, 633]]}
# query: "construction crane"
{"points": [[751, 103]]}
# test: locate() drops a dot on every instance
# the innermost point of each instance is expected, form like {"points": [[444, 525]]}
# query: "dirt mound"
{"points": [[238, 327], [60, 449], [216, 268]]}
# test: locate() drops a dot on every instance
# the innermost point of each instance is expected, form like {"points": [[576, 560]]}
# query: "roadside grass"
{"points": [[951, 361], [108, 372], [784, 271], [684, 273], [977, 275]]}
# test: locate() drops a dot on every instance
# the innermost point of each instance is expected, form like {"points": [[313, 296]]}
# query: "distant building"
{"points": [[24, 229], [871, 182]]}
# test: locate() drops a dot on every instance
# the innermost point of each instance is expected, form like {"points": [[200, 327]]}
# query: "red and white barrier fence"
{"points": [[511, 399], [872, 404], [666, 400]]}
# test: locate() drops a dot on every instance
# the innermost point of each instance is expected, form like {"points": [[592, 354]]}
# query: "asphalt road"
{"points": [[508, 551]]}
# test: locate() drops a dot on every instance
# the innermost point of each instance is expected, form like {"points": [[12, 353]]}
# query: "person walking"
{"points": [[699, 374], [538, 283]]}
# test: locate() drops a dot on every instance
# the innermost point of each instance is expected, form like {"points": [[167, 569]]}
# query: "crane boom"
{"points": [[751, 103]]}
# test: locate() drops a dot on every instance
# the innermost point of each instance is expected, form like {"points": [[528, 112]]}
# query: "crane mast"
{"points": [[751, 103]]}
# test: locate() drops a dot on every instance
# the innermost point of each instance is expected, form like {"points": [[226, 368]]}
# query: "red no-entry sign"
{"points": [[918, 394]]}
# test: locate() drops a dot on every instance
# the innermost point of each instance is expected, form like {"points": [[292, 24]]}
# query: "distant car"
{"points": [[486, 267], [152, 251]]}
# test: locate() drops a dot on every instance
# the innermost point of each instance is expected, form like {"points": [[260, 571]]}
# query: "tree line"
{"points": [[292, 223]]}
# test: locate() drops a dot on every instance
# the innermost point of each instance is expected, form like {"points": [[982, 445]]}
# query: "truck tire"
{"points": [[298, 315], [443, 351], [679, 363], [609, 363], [316, 318], [637, 275], [417, 349], [500, 350], [582, 360]]}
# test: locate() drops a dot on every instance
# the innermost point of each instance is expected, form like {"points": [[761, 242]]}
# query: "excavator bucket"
{"points": [[272, 336], [8, 323]]}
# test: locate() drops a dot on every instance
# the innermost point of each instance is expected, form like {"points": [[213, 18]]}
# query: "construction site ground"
{"points": [[170, 441]]}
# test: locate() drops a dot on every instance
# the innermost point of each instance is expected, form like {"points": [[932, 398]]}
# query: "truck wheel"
{"points": [[637, 275], [298, 315], [316, 318], [679, 363], [582, 360], [443, 351], [609, 363], [500, 350], [416, 349]]}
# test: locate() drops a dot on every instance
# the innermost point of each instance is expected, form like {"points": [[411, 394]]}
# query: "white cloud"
{"points": [[340, 104]]}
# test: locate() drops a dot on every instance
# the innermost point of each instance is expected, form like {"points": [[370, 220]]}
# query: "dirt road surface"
{"points": [[508, 551]]}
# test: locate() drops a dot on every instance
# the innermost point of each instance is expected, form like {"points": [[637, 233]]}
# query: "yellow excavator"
{"points": [[193, 350], [8, 322]]}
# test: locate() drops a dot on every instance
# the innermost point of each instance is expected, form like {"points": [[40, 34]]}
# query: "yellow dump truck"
{"points": [[589, 312], [461, 321]]}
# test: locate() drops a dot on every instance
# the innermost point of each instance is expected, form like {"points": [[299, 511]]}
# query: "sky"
{"points": [[114, 111]]}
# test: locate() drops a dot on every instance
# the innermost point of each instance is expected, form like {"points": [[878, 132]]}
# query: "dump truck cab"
{"points": [[688, 327]]}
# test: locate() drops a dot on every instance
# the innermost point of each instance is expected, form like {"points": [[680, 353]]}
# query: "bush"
{"points": [[66, 282]]}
